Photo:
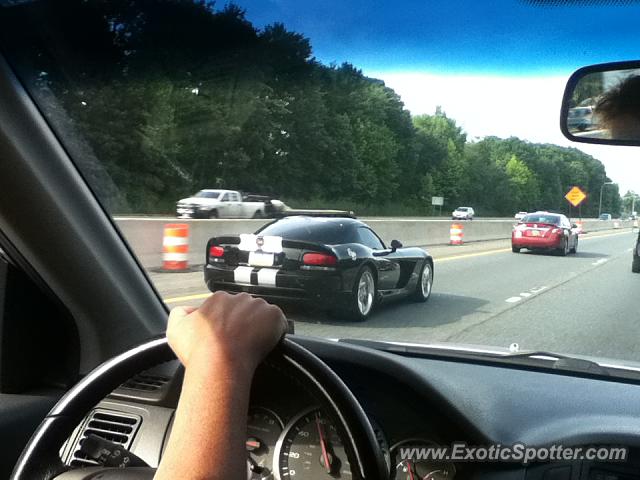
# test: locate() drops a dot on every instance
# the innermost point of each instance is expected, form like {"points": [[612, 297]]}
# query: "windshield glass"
{"points": [[542, 218], [394, 114], [207, 194], [311, 230]]}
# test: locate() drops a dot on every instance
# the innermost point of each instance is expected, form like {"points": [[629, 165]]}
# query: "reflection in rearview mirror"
{"points": [[602, 105]]}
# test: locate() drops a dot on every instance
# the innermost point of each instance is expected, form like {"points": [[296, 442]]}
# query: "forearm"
{"points": [[209, 430]]}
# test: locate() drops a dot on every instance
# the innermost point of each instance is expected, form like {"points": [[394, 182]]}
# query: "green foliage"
{"points": [[166, 97], [587, 91]]}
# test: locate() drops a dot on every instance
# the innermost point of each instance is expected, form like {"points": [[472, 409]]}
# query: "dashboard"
{"points": [[412, 402]]}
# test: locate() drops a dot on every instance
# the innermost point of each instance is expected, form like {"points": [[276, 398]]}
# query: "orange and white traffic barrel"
{"points": [[175, 246], [456, 232]]}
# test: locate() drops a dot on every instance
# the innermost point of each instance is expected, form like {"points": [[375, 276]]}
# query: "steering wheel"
{"points": [[41, 460]]}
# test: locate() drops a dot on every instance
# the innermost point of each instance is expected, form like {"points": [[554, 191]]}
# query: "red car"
{"points": [[545, 231]]}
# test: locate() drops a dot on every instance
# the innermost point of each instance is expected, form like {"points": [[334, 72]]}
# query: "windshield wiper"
{"points": [[561, 362], [537, 358]]}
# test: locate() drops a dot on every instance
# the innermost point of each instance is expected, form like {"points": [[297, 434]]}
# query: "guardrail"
{"points": [[145, 234]]}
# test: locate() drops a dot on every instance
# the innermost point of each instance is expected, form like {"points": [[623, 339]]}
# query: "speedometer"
{"points": [[408, 467], [310, 448], [263, 429]]}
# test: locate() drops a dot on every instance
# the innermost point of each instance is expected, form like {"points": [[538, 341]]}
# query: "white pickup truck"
{"points": [[227, 204]]}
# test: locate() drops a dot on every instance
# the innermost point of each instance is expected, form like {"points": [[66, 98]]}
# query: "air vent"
{"points": [[113, 426], [145, 382]]}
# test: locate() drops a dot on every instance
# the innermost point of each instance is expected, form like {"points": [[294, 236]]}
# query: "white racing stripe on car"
{"points": [[242, 275], [269, 243], [267, 277]]}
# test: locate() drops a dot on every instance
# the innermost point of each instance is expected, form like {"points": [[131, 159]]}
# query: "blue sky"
{"points": [[510, 37], [497, 67]]}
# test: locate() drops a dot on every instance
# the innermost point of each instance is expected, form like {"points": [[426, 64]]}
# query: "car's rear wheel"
{"points": [[425, 283], [515, 249], [364, 296], [258, 214], [563, 251], [575, 247]]}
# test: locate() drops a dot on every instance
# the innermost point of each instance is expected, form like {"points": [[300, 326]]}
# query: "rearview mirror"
{"points": [[601, 104], [395, 244]]}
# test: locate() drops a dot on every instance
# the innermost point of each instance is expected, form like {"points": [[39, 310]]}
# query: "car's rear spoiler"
{"points": [[315, 213]]}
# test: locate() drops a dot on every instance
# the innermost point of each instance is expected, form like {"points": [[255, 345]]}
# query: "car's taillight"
{"points": [[216, 252], [556, 230], [319, 259]]}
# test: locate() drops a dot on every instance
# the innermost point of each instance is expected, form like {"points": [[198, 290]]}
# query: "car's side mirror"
{"points": [[601, 104], [395, 244]]}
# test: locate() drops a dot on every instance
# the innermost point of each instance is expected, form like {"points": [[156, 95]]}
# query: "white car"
{"points": [[462, 213], [227, 204], [520, 215]]}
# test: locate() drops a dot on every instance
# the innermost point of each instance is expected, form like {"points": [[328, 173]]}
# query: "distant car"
{"points": [[605, 216], [520, 215], [580, 118], [214, 203], [462, 213], [545, 231], [338, 264]]}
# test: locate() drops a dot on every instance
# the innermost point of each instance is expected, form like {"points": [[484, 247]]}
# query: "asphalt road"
{"points": [[486, 295]]}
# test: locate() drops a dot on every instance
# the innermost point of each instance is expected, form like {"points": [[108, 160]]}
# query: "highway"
{"points": [[486, 295]]}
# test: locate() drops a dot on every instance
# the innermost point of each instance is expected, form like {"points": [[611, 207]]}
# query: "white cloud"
{"points": [[525, 107]]}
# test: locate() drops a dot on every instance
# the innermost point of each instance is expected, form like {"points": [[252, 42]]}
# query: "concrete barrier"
{"points": [[145, 234]]}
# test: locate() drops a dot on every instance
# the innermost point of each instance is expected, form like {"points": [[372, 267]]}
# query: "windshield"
{"points": [[542, 218], [207, 194], [396, 114], [311, 230], [579, 112]]}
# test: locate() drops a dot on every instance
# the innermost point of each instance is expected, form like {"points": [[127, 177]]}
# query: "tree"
{"points": [[523, 185], [159, 98], [630, 202]]}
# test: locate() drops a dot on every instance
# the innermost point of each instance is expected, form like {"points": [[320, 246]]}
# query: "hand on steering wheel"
{"points": [[189, 334]]}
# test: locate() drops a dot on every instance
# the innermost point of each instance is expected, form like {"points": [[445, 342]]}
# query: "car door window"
{"points": [[225, 198], [368, 238]]}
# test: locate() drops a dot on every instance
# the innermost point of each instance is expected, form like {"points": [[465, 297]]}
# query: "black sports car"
{"points": [[339, 264]]}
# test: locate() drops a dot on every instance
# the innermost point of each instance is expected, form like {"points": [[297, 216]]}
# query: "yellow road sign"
{"points": [[575, 196]]}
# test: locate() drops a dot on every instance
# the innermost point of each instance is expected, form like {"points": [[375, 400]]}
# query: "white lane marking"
{"points": [[600, 261], [530, 293], [242, 275], [267, 277]]}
